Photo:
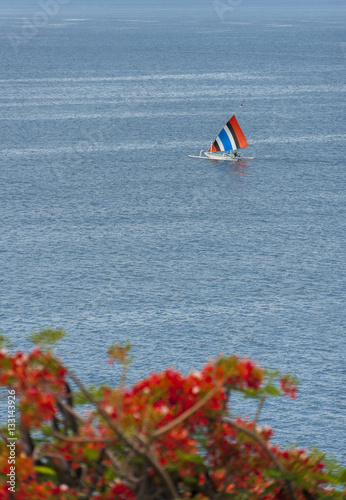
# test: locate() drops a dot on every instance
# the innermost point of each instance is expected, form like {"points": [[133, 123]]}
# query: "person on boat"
{"points": [[236, 154]]}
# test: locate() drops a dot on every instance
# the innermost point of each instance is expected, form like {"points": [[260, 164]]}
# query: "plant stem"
{"points": [[262, 443]]}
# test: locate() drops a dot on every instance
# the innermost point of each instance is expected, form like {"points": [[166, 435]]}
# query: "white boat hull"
{"points": [[219, 156]]}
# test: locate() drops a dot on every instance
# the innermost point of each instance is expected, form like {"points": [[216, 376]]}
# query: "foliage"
{"points": [[47, 337], [5, 342], [169, 436]]}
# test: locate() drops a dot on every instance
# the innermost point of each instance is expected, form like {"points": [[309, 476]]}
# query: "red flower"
{"points": [[288, 386]]}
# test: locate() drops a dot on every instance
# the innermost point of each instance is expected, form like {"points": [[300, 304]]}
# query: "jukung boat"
{"points": [[226, 144]]}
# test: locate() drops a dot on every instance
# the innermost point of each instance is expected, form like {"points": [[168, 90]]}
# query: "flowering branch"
{"points": [[263, 444], [169, 486], [167, 437], [184, 416]]}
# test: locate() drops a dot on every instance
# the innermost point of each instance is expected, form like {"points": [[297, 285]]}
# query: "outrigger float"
{"points": [[226, 144]]}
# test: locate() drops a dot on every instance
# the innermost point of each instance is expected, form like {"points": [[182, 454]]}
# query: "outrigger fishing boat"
{"points": [[226, 144]]}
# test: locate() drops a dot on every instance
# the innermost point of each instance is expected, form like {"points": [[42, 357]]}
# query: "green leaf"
{"points": [[91, 454], [47, 471], [109, 475], [5, 342], [190, 480], [274, 473], [342, 476], [47, 337], [191, 457], [96, 392], [271, 390], [250, 393]]}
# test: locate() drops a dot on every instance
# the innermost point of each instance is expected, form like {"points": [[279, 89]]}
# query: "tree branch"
{"points": [[167, 481], [71, 439], [173, 423], [259, 409], [263, 444]]}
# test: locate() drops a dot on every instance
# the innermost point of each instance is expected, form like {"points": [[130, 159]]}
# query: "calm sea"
{"points": [[109, 230]]}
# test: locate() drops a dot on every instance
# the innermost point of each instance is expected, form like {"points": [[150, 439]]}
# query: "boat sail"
{"points": [[226, 144]]}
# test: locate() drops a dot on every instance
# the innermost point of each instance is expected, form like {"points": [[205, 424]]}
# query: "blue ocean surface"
{"points": [[110, 231]]}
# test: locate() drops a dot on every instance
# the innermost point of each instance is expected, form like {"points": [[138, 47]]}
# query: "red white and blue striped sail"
{"points": [[230, 138]]}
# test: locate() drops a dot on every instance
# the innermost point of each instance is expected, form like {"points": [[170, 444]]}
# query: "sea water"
{"points": [[111, 232]]}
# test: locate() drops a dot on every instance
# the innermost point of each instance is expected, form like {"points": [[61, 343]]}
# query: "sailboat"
{"points": [[226, 144]]}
